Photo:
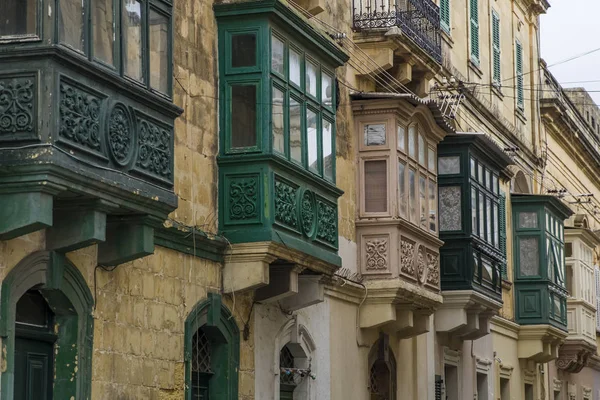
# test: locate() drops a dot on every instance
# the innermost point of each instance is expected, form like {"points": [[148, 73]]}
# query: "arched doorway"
{"points": [[382, 370]]}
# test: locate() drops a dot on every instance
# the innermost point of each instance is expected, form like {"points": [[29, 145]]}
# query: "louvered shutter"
{"points": [[445, 14], [519, 67], [597, 273], [502, 231], [496, 47], [474, 11]]}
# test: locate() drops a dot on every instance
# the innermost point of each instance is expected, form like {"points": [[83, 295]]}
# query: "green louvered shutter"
{"points": [[502, 230], [445, 14], [519, 67], [496, 47], [474, 11]]}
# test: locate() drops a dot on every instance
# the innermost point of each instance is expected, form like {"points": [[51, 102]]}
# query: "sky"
{"points": [[570, 28]]}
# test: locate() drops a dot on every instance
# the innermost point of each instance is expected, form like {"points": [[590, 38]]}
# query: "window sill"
{"points": [[475, 68], [507, 285], [8, 39], [496, 89], [447, 37], [520, 114]]}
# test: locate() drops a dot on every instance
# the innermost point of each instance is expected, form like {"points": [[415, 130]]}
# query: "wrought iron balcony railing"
{"points": [[418, 19]]}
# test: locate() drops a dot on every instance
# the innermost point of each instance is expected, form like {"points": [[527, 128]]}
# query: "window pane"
{"points": [[474, 211], [496, 227], [432, 206], [423, 200], [243, 113], [375, 135], [18, 17], [132, 39], [488, 219], [159, 47], [376, 186], [328, 157], [402, 200], [422, 150], [412, 189], [32, 309], [295, 65], [71, 19], [528, 220], [473, 167], [488, 180], [480, 174], [311, 137], [277, 54], [449, 165], [431, 160], [481, 199], [401, 138], [495, 184], [102, 13], [529, 257], [450, 213], [311, 79], [277, 121], [243, 50], [412, 141], [326, 90], [295, 131]]}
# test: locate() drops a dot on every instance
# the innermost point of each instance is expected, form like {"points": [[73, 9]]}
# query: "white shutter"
{"points": [[597, 273]]}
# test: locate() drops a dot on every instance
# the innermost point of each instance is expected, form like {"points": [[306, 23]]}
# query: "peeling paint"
{"points": [[4, 365]]}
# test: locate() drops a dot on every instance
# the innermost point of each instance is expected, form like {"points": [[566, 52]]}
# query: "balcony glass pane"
{"points": [[311, 137], [311, 79], [449, 165], [18, 17], [557, 307], [326, 90], [277, 55], [71, 19], [528, 220], [295, 67], [481, 219], [529, 257], [374, 135], [401, 138], [422, 151], [243, 114], [496, 226], [473, 168], [328, 157], [432, 206], [243, 50], [431, 160], [376, 186], [488, 220], [474, 211], [495, 184], [402, 200], [480, 174], [488, 180], [277, 121], [159, 49], [295, 131], [475, 266], [412, 141], [423, 200], [450, 208], [412, 192], [103, 28], [132, 39], [487, 271]]}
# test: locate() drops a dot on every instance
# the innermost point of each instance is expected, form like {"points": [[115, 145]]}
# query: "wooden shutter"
{"points": [[519, 68], [502, 231], [445, 14], [496, 47], [474, 16], [375, 186]]}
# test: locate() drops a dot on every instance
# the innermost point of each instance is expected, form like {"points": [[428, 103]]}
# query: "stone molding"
{"points": [[574, 354], [540, 343]]}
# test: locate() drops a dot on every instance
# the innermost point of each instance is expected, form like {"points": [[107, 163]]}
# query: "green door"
{"points": [[34, 345]]}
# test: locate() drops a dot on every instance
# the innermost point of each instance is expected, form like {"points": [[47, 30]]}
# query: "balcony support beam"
{"points": [[310, 291], [540, 343], [23, 213], [127, 239], [283, 283]]}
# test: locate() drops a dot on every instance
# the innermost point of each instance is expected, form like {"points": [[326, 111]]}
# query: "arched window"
{"points": [[287, 380], [212, 352], [382, 370], [46, 327]]}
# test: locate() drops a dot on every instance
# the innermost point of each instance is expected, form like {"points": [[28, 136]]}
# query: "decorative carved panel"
{"points": [[286, 200], [154, 156], [327, 222], [308, 212], [18, 106], [421, 264], [450, 208], [433, 268], [376, 251], [120, 134], [243, 198], [407, 257]]}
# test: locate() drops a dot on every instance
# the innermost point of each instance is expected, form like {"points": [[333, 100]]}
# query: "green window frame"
{"points": [[315, 93], [519, 74], [445, 15], [474, 30], [71, 302], [213, 321], [496, 60], [137, 42], [485, 188], [502, 232]]}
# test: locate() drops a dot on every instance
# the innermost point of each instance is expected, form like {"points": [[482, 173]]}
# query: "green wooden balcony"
{"points": [[539, 256], [86, 118]]}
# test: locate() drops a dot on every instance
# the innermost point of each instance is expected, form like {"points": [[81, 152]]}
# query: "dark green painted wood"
{"points": [[223, 333], [76, 230], [23, 213], [33, 369], [127, 239]]}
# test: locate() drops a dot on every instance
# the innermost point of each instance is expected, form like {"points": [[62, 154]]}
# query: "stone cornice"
{"points": [[574, 355], [399, 291], [184, 239], [505, 327]]}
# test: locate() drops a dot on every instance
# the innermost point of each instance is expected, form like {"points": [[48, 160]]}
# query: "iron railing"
{"points": [[418, 19]]}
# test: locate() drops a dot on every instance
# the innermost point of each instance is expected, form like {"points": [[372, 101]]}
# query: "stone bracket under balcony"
{"points": [[540, 343], [394, 306], [465, 315], [574, 354]]}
